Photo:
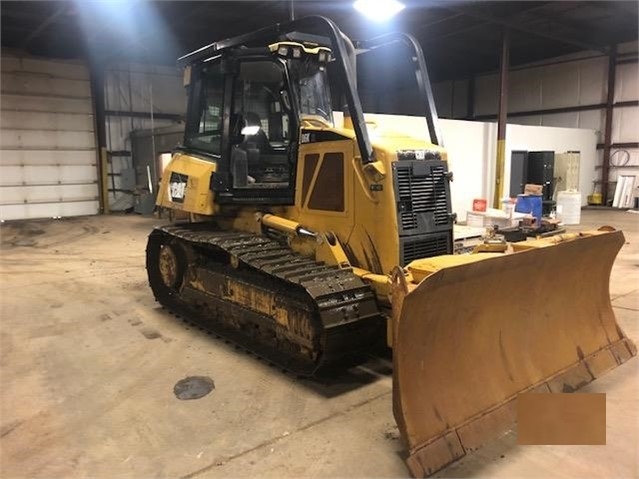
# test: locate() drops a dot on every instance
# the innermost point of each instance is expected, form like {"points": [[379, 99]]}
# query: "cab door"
{"points": [[262, 166]]}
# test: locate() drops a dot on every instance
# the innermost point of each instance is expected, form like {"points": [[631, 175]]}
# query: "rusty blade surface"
{"points": [[469, 338]]}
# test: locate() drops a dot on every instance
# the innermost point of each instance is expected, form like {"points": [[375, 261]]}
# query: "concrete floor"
{"points": [[89, 361]]}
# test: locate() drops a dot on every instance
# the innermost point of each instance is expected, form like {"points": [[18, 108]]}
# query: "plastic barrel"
{"points": [[569, 207]]}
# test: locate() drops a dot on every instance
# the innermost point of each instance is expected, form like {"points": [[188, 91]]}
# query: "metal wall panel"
{"points": [[572, 80], [46, 140], [625, 125], [442, 92], [48, 210], [533, 120], [486, 94], [559, 86], [39, 84], [593, 80], [48, 193], [163, 84], [31, 120], [567, 120], [46, 104], [525, 90], [569, 81], [47, 143], [140, 89], [48, 157], [60, 68], [460, 98], [593, 120], [627, 82], [47, 175]]}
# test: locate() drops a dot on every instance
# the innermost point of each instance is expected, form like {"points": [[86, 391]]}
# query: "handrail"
{"points": [[421, 75]]}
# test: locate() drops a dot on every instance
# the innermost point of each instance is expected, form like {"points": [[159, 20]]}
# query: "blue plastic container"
{"points": [[530, 204]]}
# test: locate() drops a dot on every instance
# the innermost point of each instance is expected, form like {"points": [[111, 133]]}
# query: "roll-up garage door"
{"points": [[47, 144]]}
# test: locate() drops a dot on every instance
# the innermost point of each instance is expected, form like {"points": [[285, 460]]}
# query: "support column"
{"points": [[610, 100], [96, 73], [501, 119]]}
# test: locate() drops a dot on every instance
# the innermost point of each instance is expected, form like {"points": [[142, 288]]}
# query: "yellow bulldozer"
{"points": [[306, 241]]}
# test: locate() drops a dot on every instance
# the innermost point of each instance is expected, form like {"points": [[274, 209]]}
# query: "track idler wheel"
{"points": [[165, 264]]}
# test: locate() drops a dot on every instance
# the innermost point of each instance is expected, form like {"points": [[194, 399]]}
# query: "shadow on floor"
{"points": [[353, 372]]}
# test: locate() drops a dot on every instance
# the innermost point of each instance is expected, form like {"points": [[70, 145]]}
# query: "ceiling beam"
{"points": [[478, 25], [416, 21], [506, 22], [44, 25], [560, 19], [453, 33]]}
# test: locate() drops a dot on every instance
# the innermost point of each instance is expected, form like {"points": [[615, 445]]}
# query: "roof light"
{"points": [[379, 10], [297, 52], [283, 51]]}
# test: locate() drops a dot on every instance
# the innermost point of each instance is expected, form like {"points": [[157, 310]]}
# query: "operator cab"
{"points": [[244, 113]]}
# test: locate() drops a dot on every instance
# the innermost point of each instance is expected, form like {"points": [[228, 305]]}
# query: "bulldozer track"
{"points": [[289, 309]]}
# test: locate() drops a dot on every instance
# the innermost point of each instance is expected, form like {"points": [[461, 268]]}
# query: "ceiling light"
{"points": [[379, 10]]}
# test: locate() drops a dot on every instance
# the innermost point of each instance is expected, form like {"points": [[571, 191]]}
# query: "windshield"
{"points": [[311, 84]]}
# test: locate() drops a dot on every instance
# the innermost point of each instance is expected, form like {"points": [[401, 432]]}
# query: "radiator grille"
{"points": [[416, 248], [423, 194]]}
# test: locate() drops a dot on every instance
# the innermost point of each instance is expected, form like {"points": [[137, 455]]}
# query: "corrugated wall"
{"points": [[47, 143], [574, 81], [137, 97]]}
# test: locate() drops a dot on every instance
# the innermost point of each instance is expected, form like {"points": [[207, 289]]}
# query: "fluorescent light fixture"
{"points": [[250, 130], [379, 10]]}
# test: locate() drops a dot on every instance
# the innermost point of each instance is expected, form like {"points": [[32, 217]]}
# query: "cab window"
{"points": [[204, 130], [261, 129]]}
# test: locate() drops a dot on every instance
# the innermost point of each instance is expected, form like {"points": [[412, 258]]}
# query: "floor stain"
{"points": [[6, 430], [20, 233], [392, 433], [193, 387], [26, 242], [150, 333]]}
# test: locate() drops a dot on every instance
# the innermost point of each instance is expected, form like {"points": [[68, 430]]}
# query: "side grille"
{"points": [[413, 248], [422, 194]]}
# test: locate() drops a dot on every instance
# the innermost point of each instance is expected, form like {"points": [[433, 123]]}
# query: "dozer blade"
{"points": [[472, 336]]}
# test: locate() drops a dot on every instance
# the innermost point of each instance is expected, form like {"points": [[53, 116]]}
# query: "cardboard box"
{"points": [[536, 190], [492, 217]]}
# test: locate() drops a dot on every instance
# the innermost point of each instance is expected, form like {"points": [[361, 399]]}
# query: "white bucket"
{"points": [[569, 207]]}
